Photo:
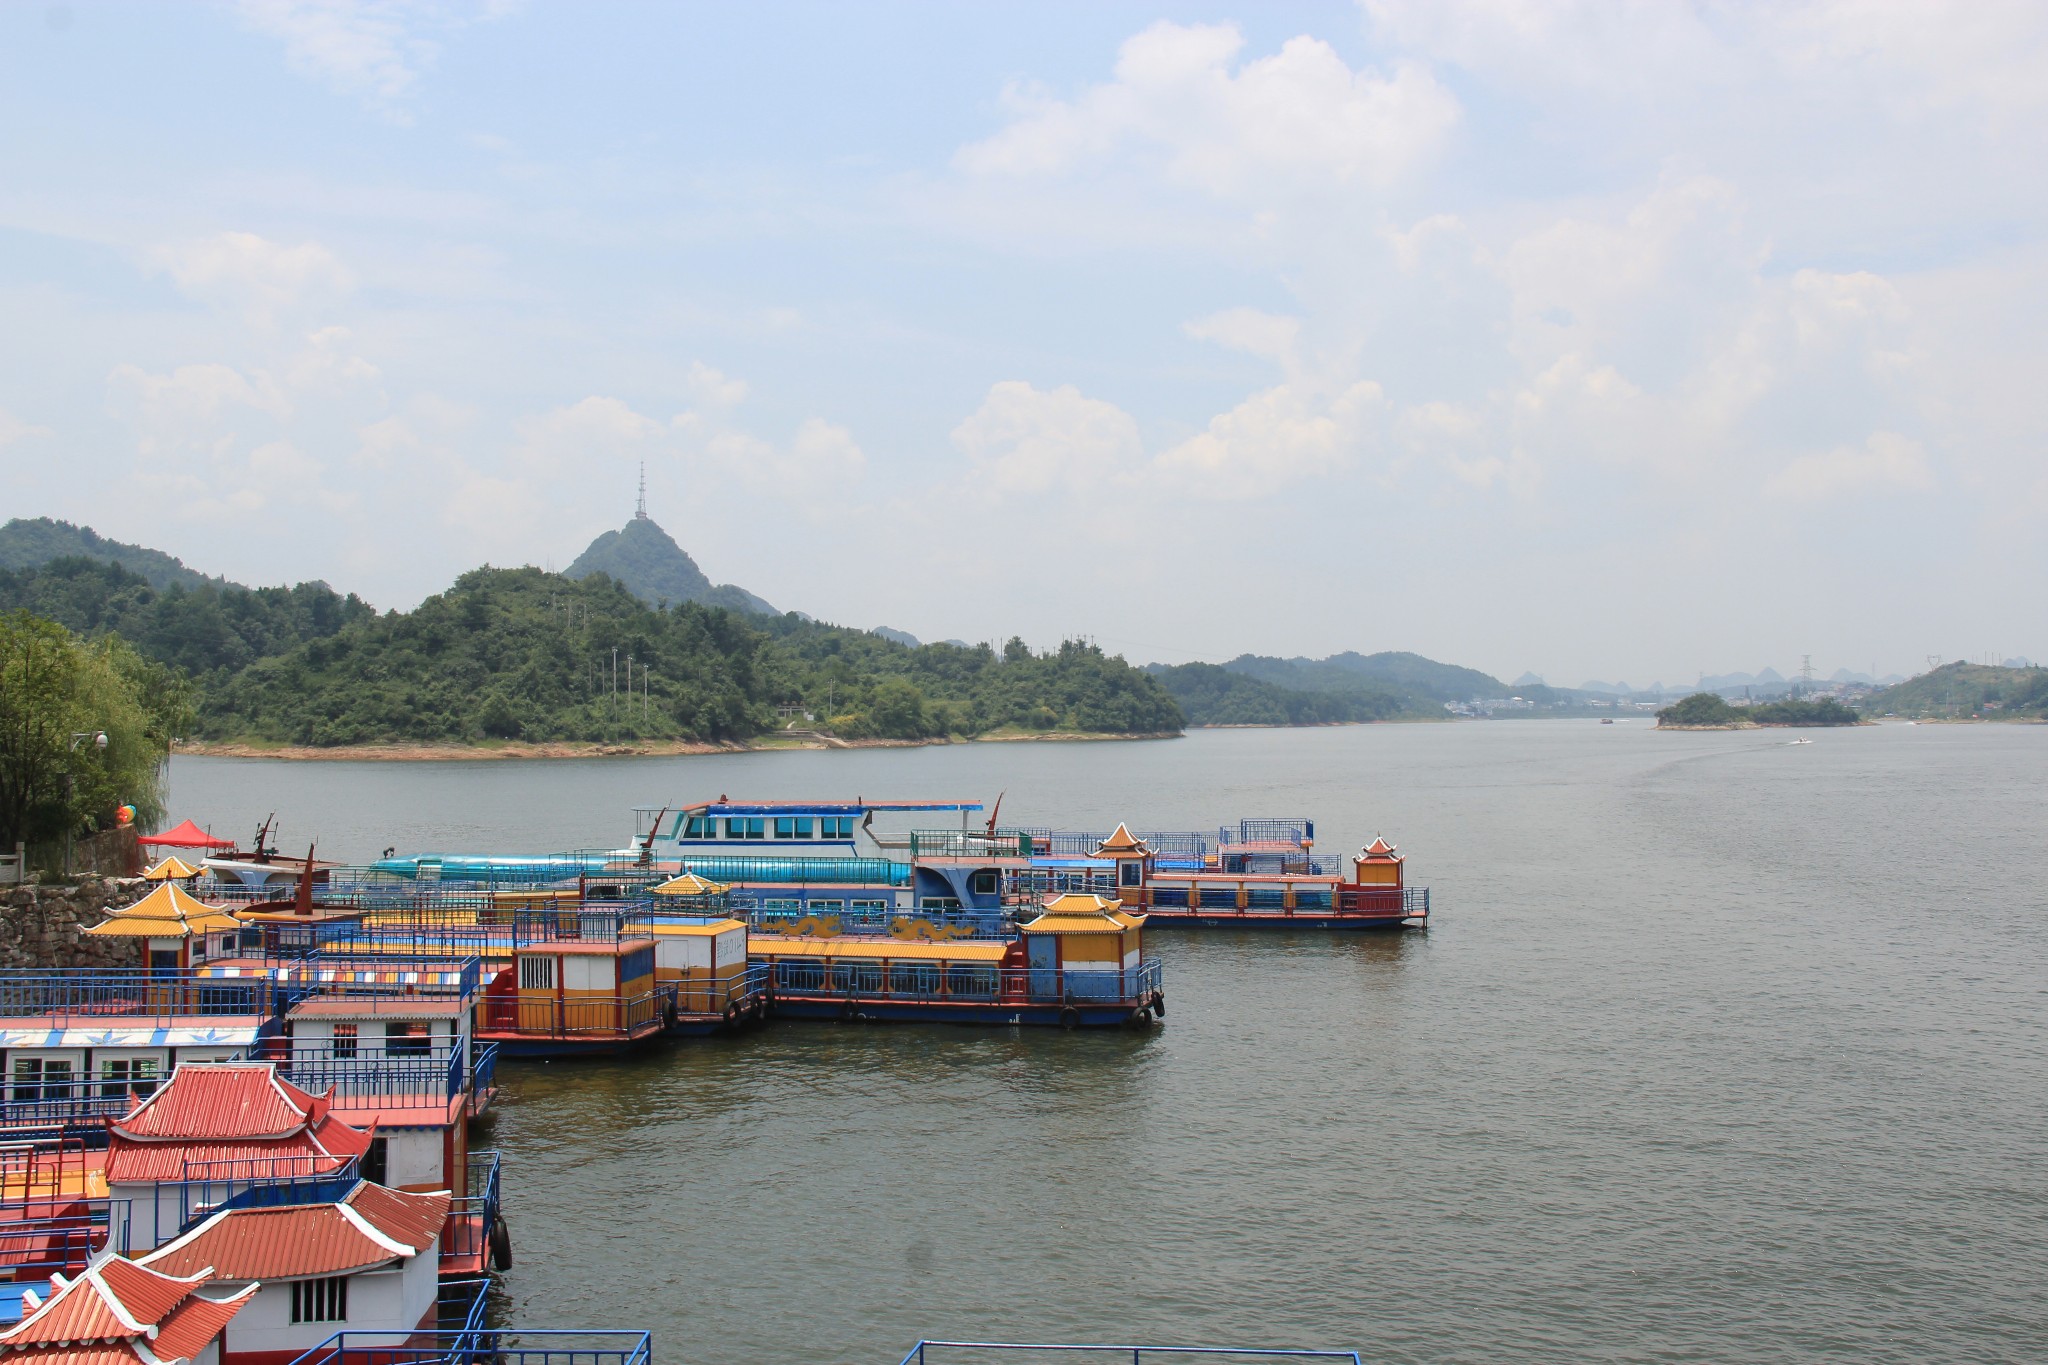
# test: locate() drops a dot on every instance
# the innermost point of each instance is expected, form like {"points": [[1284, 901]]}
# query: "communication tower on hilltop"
{"points": [[640, 507], [1806, 668]]}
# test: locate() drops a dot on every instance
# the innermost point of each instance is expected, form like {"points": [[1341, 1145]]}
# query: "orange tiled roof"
{"points": [[223, 1100], [373, 1226], [120, 1313]]}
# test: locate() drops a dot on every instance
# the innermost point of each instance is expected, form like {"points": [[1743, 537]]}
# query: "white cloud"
{"points": [[1027, 440], [1265, 335], [1886, 463], [566, 440], [189, 406], [713, 387], [13, 429], [358, 47], [251, 275], [1276, 437], [1300, 116]]}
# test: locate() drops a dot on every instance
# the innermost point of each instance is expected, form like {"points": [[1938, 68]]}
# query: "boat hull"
{"points": [[984, 1013], [1246, 919]]}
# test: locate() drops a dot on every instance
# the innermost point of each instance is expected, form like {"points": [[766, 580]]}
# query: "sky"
{"points": [[1598, 340]]}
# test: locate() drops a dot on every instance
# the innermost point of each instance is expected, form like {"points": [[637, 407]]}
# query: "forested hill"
{"points": [[209, 631], [1255, 689], [657, 570], [523, 654], [1959, 690], [28, 542]]}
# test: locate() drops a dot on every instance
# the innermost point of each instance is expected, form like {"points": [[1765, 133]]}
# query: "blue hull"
{"points": [[1167, 919], [1078, 1015]]}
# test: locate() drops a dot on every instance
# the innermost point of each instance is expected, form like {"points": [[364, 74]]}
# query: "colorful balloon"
{"points": [[125, 815]]}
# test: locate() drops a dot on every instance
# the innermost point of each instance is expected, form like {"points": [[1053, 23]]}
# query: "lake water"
{"points": [[1718, 1048]]}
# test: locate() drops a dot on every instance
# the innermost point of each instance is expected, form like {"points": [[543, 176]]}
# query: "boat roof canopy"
{"points": [[857, 806]]}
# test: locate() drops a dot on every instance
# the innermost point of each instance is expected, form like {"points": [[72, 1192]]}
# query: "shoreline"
{"points": [[442, 752]]}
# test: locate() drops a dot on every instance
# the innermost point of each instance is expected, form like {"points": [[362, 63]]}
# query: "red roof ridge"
{"points": [[369, 1227], [218, 1101]]}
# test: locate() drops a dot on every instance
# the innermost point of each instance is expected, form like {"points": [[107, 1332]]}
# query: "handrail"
{"points": [[968, 982], [207, 1187], [504, 1346], [127, 995], [1137, 1354]]}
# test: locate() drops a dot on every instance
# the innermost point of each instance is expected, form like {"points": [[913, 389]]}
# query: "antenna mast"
{"points": [[640, 507]]}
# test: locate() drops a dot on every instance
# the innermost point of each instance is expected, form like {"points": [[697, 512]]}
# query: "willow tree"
{"points": [[58, 695]]}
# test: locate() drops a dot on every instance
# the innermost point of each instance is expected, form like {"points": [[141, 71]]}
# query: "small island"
{"points": [[1710, 711]]}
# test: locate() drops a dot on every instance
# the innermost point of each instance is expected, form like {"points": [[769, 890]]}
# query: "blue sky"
{"points": [[1595, 339]]}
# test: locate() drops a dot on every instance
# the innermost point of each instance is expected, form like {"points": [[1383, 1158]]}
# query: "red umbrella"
{"points": [[187, 835]]}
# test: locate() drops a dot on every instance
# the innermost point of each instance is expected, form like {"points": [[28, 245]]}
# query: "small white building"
{"points": [[367, 1264]]}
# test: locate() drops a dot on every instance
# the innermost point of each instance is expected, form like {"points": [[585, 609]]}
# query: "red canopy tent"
{"points": [[187, 835]]}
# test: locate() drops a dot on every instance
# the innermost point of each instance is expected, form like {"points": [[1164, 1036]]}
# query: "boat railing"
{"points": [[770, 917], [1027, 842], [393, 1079], [48, 1104], [208, 1187], [716, 995], [36, 1245], [1410, 902], [505, 1346], [459, 1307], [474, 1213], [125, 996], [483, 1070], [47, 1165], [939, 1352], [1299, 832], [924, 981], [588, 1017]]}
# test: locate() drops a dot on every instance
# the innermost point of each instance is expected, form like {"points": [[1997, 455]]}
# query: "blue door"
{"points": [[1044, 957]]}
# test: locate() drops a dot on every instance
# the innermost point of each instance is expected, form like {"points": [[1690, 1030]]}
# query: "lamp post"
{"points": [[99, 742]]}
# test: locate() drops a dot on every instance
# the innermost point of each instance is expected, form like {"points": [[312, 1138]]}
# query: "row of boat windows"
{"points": [[760, 826], [1255, 898], [53, 1078], [857, 908]]}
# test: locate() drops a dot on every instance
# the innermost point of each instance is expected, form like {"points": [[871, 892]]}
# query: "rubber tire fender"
{"points": [[1070, 1017], [501, 1244], [1159, 1005], [668, 1013]]}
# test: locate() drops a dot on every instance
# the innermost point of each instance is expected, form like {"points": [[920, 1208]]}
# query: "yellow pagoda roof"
{"points": [[1075, 913], [167, 912], [172, 868], [690, 884], [1123, 841]]}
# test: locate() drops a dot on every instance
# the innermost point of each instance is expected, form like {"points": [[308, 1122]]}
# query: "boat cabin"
{"points": [[1086, 947], [568, 995]]}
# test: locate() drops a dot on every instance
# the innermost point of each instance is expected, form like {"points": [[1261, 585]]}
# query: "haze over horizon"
{"points": [[1589, 341]]}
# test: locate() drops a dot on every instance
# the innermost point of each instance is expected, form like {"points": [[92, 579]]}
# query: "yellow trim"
{"points": [[877, 950]]}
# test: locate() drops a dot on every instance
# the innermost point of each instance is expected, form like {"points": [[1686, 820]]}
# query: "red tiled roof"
{"points": [[373, 1226], [194, 1323], [324, 1146], [221, 1100], [123, 1313]]}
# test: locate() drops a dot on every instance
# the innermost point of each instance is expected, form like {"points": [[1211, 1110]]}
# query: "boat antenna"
{"points": [[303, 902], [997, 811]]}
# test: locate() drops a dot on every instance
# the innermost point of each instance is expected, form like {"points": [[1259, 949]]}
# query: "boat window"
{"points": [[120, 1075], [941, 903], [803, 827], [827, 907], [376, 1162], [1129, 872], [746, 827], [835, 827], [38, 1078], [320, 1300], [407, 1040], [870, 907], [700, 827], [987, 882], [536, 973], [344, 1040]]}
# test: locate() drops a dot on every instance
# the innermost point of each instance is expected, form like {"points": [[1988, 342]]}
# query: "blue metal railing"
{"points": [[423, 1080], [473, 1213], [509, 1346], [460, 1305], [964, 982], [44, 1104], [920, 1353], [483, 1069], [126, 996], [261, 1182]]}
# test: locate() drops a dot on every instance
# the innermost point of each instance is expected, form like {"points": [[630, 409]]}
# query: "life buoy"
{"points": [[1070, 1017], [501, 1245]]}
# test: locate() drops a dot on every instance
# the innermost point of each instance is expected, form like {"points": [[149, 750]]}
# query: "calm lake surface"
{"points": [[1719, 1048]]}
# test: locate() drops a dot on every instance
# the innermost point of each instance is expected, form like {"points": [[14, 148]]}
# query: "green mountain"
{"points": [[1211, 694], [656, 570], [28, 543], [519, 653], [1394, 673], [1960, 689], [212, 628]]}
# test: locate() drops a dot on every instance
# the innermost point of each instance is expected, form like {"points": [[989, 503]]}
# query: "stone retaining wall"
{"points": [[44, 926]]}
